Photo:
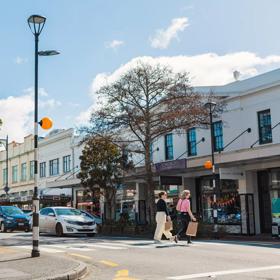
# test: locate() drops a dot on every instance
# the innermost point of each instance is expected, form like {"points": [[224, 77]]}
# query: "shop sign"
{"points": [[171, 180], [170, 165], [231, 173]]}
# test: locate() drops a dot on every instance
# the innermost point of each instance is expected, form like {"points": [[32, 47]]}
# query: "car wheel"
{"points": [[3, 228], [27, 230], [59, 230], [91, 234]]}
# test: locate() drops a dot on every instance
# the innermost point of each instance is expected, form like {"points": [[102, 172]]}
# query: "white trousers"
{"points": [[161, 219]]}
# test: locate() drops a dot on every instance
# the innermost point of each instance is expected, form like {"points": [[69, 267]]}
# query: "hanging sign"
{"points": [[232, 173]]}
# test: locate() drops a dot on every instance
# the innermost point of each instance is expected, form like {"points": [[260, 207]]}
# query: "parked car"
{"points": [[27, 212], [66, 220], [12, 218], [96, 218]]}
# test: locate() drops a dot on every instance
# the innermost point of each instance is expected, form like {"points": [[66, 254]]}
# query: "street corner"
{"points": [[23, 267], [10, 253]]}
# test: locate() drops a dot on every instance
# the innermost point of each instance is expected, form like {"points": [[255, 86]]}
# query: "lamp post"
{"points": [[211, 106], [5, 142], [36, 24]]}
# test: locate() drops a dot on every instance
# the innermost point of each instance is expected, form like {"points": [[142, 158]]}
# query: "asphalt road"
{"points": [[139, 259]]}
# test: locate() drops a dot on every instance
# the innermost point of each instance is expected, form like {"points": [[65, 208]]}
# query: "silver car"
{"points": [[65, 220]]}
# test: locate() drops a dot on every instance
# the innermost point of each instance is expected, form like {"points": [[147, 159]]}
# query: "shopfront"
{"points": [[88, 200], [228, 203], [269, 201]]}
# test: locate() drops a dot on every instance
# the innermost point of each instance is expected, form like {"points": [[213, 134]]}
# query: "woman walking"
{"points": [[162, 216], [185, 214]]}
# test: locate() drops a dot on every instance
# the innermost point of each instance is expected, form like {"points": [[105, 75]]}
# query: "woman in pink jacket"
{"points": [[185, 214]]}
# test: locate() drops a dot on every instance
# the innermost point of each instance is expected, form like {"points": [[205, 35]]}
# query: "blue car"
{"points": [[12, 218]]}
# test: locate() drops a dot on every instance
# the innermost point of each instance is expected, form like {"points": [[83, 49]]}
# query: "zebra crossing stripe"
{"points": [[41, 248]]}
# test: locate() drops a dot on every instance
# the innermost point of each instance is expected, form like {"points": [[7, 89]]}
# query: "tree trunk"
{"points": [[150, 186]]}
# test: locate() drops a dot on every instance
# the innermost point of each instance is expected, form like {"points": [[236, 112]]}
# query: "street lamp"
{"points": [[36, 24], [211, 107], [5, 142]]}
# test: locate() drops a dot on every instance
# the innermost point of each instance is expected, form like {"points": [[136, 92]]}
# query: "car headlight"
{"points": [[70, 222]]}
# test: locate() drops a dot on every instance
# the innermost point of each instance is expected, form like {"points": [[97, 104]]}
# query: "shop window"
{"points": [[228, 202], [265, 132], [169, 146], [191, 138], [218, 136]]}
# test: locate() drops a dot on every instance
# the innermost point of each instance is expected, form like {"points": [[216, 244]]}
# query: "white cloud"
{"points": [[20, 60], [83, 117], [17, 116], [205, 70], [49, 104], [114, 44], [41, 92], [163, 38]]}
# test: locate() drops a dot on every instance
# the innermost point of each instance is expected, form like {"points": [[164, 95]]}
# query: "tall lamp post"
{"points": [[36, 24], [5, 142], [211, 107]]}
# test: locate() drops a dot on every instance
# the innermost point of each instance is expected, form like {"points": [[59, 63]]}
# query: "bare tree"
{"points": [[144, 104]]}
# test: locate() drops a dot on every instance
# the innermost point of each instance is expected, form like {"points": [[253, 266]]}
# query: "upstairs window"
{"points": [[23, 172], [169, 146], [54, 167], [218, 136], [265, 132], [191, 138], [66, 164], [42, 169]]}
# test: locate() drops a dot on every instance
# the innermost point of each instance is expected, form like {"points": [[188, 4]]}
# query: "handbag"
{"points": [[168, 225], [192, 229]]}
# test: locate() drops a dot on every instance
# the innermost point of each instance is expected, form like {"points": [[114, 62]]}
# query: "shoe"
{"points": [[157, 241], [175, 239], [190, 242]]}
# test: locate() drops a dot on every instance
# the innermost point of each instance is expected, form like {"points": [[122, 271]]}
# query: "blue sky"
{"points": [[101, 39]]}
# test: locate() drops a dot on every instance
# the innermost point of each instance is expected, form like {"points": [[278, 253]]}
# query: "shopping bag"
{"points": [[192, 229], [168, 225]]}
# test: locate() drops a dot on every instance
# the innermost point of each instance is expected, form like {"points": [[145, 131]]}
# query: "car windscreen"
{"points": [[68, 212], [10, 210]]}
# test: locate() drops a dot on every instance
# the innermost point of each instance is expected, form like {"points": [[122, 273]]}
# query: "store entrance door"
{"points": [[264, 201]]}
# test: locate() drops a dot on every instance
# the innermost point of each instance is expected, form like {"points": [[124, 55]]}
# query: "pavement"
{"points": [[17, 264]]}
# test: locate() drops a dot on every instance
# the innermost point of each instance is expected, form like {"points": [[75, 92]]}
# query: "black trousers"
{"points": [[184, 219]]}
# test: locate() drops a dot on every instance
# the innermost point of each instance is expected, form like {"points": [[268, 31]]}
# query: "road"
{"points": [[140, 259]]}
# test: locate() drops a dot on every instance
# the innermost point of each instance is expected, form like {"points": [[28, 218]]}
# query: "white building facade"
{"points": [[247, 160]]}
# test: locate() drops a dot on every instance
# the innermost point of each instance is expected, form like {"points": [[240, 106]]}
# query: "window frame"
{"points": [[51, 169], [169, 153], [14, 167], [264, 140], [43, 167], [191, 143], [65, 164], [219, 136], [31, 169], [23, 178]]}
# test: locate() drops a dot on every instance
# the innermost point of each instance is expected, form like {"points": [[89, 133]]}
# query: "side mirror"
{"points": [[51, 215]]}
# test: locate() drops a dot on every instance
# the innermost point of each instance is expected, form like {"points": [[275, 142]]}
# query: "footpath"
{"points": [[15, 264]]}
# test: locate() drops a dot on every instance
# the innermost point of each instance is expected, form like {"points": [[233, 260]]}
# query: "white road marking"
{"points": [[106, 247], [41, 248], [223, 272], [67, 247]]}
